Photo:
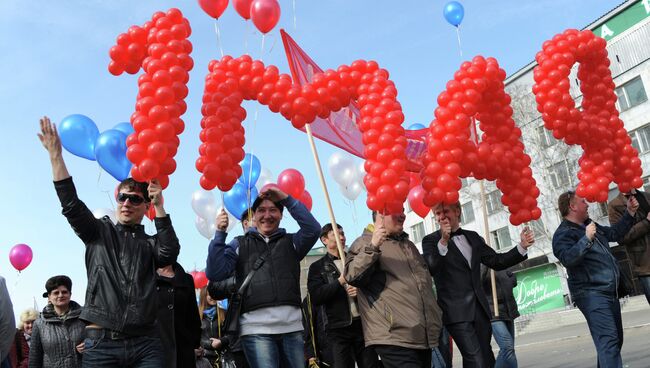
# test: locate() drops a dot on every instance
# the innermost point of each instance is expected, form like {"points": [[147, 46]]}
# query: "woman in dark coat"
{"points": [[57, 337], [178, 316], [19, 353]]}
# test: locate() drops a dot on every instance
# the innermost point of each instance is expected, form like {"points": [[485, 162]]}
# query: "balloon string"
{"points": [[216, 29], [294, 15], [460, 46], [262, 49]]}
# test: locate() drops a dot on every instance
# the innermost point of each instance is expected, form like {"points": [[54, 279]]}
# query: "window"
{"points": [[631, 94], [493, 202], [545, 137], [559, 175], [601, 209], [501, 238], [418, 232], [407, 207], [646, 184], [641, 139], [466, 213], [464, 182]]}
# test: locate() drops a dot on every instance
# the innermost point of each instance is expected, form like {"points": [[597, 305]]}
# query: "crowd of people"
{"points": [[381, 303]]}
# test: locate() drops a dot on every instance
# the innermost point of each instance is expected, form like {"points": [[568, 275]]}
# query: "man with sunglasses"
{"points": [[582, 246], [121, 262]]}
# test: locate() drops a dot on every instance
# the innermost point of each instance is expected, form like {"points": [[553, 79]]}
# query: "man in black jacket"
{"points": [[121, 263], [327, 287], [454, 257]]}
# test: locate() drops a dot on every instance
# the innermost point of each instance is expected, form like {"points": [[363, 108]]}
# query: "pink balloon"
{"points": [[20, 256], [305, 198], [243, 8], [265, 14], [213, 8]]}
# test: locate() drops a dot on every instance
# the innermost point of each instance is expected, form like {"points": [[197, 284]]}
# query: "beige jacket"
{"points": [[395, 294]]}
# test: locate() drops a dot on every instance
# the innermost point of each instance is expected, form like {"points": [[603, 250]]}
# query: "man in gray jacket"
{"points": [[399, 314]]}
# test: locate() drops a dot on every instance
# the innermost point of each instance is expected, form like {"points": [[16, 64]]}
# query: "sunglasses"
{"points": [[133, 198]]}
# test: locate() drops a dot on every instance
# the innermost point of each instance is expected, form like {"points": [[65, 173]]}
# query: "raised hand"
{"points": [[379, 235], [590, 231], [155, 193], [527, 237], [445, 231], [222, 220], [632, 205], [273, 194], [50, 137]]}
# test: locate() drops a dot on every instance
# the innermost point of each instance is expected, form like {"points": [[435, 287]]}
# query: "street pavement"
{"points": [[572, 347]]}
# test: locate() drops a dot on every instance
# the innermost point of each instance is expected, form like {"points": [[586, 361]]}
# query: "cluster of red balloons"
{"points": [[264, 13], [608, 154], [161, 47], [230, 81], [477, 91], [292, 182], [200, 279]]}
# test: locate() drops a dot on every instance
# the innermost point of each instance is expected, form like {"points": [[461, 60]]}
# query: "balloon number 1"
{"points": [[160, 47]]}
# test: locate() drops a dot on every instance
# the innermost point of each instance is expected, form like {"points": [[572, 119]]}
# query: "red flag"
{"points": [[340, 128]]}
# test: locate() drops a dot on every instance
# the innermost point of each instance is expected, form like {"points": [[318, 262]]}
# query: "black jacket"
{"points": [[506, 281], [325, 289], [121, 263], [178, 318], [54, 339], [277, 282], [314, 320], [458, 286]]}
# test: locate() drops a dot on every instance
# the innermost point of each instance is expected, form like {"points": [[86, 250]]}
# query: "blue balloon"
{"points": [[126, 127], [78, 135], [237, 199], [416, 126], [251, 169], [454, 13], [110, 151]]}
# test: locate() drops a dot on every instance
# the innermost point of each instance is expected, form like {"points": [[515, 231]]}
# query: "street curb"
{"points": [[572, 337]]}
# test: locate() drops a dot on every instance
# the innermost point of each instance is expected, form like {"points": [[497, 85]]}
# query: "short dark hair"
{"points": [[327, 228], [55, 281], [564, 202], [258, 202], [135, 186]]}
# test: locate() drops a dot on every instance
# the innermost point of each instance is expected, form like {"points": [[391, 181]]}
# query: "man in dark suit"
{"points": [[454, 257]]}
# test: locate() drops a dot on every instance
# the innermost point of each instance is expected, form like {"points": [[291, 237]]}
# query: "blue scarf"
{"points": [[210, 312]]}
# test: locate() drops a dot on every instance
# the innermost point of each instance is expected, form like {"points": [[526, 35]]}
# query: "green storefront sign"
{"points": [[539, 289], [624, 21]]}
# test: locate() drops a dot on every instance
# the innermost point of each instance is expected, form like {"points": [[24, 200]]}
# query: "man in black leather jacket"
{"points": [[327, 287], [121, 263]]}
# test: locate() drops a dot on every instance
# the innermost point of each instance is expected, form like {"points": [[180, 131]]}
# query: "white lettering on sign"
{"points": [[534, 293], [606, 32]]}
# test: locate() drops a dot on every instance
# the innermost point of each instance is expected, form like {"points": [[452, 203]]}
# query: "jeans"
{"points": [[5, 363], [441, 355], [645, 283], [134, 352], [274, 351], [504, 334], [603, 314]]}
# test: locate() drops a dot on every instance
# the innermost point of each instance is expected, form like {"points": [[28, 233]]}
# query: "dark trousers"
{"points": [[348, 347], [473, 340], [134, 352], [399, 357], [603, 315]]}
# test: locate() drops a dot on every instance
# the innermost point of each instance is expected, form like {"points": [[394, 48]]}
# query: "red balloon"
{"points": [[291, 182], [265, 14], [305, 198], [213, 8], [416, 201], [200, 279], [243, 8]]}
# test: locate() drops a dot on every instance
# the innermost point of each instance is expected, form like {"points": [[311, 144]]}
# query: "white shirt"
{"points": [[466, 249]]}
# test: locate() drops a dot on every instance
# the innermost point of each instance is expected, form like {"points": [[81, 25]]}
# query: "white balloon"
{"points": [[361, 173], [266, 177], [204, 227], [351, 191], [101, 212], [203, 204], [342, 168]]}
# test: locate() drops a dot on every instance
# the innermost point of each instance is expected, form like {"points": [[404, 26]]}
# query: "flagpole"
{"points": [[328, 202]]}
